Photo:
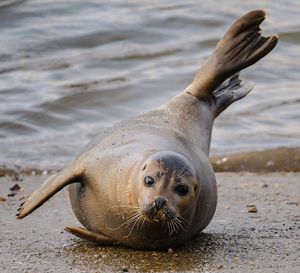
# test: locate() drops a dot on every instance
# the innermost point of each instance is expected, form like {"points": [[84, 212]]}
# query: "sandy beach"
{"points": [[237, 240]]}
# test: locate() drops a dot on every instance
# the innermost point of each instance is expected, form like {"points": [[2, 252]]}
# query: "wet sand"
{"points": [[235, 241]]}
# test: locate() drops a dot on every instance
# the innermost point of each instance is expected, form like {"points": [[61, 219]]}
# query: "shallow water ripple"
{"points": [[71, 68]]}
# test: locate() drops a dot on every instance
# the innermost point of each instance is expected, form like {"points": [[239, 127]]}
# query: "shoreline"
{"points": [[281, 159]]}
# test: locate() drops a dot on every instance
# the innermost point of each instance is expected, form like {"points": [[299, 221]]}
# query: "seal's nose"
{"points": [[160, 202]]}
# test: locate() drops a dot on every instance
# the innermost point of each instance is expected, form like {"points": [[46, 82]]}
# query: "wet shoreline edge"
{"points": [[281, 159]]}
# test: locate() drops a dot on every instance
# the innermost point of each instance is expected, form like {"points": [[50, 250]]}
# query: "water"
{"points": [[68, 69]]}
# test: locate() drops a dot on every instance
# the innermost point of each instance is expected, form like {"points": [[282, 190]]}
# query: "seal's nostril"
{"points": [[160, 202]]}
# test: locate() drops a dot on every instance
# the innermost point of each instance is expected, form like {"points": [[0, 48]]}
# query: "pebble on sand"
{"points": [[252, 208], [15, 187]]}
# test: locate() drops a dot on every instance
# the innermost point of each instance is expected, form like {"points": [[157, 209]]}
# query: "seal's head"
{"points": [[170, 190]]}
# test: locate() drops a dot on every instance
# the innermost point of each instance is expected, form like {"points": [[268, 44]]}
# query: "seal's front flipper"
{"points": [[51, 186], [242, 46], [231, 90], [91, 236]]}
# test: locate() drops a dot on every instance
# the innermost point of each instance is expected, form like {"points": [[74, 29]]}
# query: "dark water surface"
{"points": [[71, 68]]}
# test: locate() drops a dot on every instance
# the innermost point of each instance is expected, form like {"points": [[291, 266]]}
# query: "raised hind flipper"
{"points": [[242, 46], [231, 90], [52, 185], [91, 236]]}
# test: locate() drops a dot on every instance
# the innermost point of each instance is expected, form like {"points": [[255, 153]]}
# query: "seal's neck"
{"points": [[194, 119]]}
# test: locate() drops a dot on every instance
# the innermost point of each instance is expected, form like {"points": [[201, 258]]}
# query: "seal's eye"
{"points": [[182, 190], [149, 181]]}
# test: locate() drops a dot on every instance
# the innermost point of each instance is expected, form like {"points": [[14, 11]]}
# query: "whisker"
{"points": [[176, 225], [144, 220], [134, 218], [134, 224], [140, 222], [160, 167], [178, 173], [183, 220], [172, 227], [179, 223], [128, 221], [169, 229], [184, 174]]}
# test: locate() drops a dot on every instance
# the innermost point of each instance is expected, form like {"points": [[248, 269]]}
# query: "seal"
{"points": [[146, 182]]}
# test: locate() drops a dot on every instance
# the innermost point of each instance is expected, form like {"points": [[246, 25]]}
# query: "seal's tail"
{"points": [[50, 187], [242, 46]]}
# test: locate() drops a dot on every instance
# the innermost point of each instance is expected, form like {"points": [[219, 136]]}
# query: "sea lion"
{"points": [[147, 182]]}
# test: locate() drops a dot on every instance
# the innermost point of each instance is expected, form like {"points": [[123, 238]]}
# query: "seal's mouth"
{"points": [[161, 214], [166, 216], [158, 211]]}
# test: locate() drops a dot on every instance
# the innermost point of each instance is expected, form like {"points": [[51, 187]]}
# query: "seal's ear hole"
{"points": [[144, 167], [195, 187]]}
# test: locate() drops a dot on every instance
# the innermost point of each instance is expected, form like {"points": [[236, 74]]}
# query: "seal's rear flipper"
{"points": [[51, 186], [231, 90], [242, 46], [91, 236]]}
